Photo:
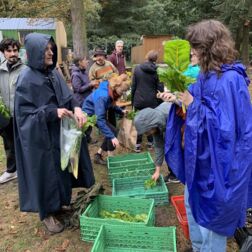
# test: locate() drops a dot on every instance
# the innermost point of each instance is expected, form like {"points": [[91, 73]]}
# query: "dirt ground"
{"points": [[23, 232]]}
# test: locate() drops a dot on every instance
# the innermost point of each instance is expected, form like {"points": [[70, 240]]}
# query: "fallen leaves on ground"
{"points": [[63, 246]]}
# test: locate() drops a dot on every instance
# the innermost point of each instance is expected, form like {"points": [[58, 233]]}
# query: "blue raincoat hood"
{"points": [[238, 67], [35, 45]]}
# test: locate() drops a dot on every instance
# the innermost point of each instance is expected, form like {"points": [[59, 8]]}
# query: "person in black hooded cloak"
{"points": [[42, 99]]}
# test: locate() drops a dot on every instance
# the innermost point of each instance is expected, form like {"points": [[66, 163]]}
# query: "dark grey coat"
{"points": [[43, 186]]}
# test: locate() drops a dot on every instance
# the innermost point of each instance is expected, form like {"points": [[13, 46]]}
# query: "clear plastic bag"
{"points": [[70, 144]]}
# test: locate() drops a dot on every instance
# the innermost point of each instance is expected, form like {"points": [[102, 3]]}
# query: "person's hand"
{"points": [[115, 142], [167, 96], [79, 116], [63, 112], [94, 83], [186, 98], [156, 175]]}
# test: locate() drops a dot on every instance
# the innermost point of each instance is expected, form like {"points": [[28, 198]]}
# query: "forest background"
{"points": [[92, 23]]}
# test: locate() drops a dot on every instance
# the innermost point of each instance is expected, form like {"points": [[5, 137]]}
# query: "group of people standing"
{"points": [[38, 98], [208, 148]]}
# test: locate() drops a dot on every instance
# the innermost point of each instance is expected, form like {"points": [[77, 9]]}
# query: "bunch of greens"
{"points": [[123, 216], [91, 122], [177, 57], [4, 111], [131, 115], [149, 183]]}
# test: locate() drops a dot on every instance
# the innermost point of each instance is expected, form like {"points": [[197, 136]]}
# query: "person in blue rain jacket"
{"points": [[215, 163], [99, 103]]}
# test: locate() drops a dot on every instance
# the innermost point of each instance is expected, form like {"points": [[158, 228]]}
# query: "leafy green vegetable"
{"points": [[174, 80], [149, 183], [176, 56], [91, 121], [123, 216], [129, 97], [131, 115], [4, 111]]}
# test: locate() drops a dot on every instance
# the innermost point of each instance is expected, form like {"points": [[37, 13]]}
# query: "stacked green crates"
{"points": [[135, 239], [90, 220], [130, 165], [134, 187]]}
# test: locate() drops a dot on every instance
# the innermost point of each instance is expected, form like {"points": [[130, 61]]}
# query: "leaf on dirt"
{"points": [[40, 232], [63, 246], [36, 231], [12, 230], [7, 205]]}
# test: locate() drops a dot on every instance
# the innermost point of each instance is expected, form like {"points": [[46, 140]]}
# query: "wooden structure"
{"points": [[18, 28], [154, 42]]}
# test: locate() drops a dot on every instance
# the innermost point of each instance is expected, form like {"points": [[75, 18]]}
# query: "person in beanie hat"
{"points": [[101, 69]]}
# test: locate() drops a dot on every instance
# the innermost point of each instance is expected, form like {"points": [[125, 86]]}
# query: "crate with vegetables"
{"points": [[142, 187], [117, 211]]}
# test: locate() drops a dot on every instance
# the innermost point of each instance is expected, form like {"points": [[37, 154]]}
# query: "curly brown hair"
{"points": [[213, 43]]}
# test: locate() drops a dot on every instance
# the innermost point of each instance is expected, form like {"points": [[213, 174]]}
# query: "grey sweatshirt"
{"points": [[149, 118]]}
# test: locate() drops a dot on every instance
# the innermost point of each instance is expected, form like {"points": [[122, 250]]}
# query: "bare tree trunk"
{"points": [[245, 43], [238, 37], [79, 28]]}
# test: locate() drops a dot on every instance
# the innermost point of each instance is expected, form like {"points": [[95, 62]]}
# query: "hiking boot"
{"points": [[169, 179], [98, 159], [150, 146], [7, 176], [137, 148], [53, 225]]}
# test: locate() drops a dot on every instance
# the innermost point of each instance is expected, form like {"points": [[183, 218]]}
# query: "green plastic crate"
{"points": [[134, 187], [90, 222], [130, 165], [135, 239]]}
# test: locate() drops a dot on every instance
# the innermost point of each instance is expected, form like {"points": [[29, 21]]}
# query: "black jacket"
{"points": [[43, 186], [145, 86]]}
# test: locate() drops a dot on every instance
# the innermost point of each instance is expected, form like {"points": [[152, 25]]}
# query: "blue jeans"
{"points": [[203, 240]]}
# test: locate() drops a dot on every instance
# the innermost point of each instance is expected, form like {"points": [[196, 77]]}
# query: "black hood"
{"points": [[35, 45], [149, 67]]}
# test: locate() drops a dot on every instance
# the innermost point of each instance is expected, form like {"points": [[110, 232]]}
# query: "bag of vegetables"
{"points": [[127, 134], [70, 143]]}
